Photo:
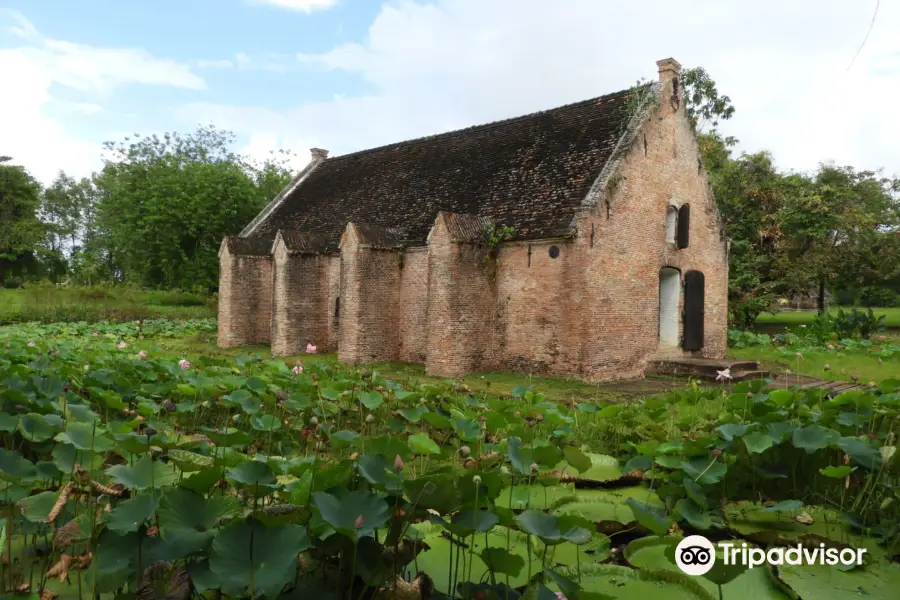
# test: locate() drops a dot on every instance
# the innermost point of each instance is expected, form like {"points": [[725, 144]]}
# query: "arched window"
{"points": [[671, 222]]}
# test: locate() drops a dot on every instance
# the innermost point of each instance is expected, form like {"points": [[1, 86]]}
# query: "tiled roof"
{"points": [[379, 237], [249, 246], [530, 173], [302, 242], [467, 228]]}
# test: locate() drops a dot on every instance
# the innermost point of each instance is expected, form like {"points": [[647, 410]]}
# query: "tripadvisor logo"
{"points": [[696, 555]]}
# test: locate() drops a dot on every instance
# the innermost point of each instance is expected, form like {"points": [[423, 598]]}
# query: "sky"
{"points": [[346, 75]]}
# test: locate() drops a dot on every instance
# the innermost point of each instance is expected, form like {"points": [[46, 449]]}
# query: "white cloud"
{"points": [[265, 146], [86, 108], [434, 66], [32, 69], [214, 64], [32, 139], [306, 6]]}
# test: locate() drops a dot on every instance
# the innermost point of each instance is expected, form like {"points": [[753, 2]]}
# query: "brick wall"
{"points": [[412, 307], [333, 293], [462, 307], [245, 299], [370, 280], [299, 313], [535, 308], [620, 287]]}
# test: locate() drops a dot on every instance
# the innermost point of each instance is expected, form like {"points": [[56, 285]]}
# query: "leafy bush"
{"points": [[742, 314], [857, 323], [743, 339], [879, 297], [13, 282], [869, 296]]}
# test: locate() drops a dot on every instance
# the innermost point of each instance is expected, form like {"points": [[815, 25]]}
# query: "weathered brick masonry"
{"points": [[300, 313], [386, 254], [245, 292], [413, 306], [370, 294]]}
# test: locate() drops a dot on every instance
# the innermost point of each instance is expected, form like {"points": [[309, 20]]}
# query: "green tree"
{"points": [[274, 174], [20, 228], [165, 203], [65, 206], [703, 103], [833, 224], [750, 192]]}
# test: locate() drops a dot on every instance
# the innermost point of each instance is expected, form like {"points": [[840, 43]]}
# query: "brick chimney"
{"points": [[670, 84], [318, 154]]}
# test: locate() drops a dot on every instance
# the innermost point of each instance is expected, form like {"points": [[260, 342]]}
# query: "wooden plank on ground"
{"points": [[816, 384], [841, 388]]}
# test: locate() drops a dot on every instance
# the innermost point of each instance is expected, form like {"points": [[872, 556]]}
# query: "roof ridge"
{"points": [[488, 125]]}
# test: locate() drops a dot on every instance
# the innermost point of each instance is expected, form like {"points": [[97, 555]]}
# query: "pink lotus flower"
{"points": [[96, 334], [298, 368], [310, 349], [398, 463], [121, 345], [142, 354], [184, 364], [359, 522], [560, 596], [31, 344]]}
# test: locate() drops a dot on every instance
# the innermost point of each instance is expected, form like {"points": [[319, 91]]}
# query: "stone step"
{"points": [[750, 374], [701, 367]]}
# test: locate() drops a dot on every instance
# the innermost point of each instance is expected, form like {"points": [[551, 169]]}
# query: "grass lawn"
{"points": [[805, 317], [49, 304], [560, 389], [842, 366]]}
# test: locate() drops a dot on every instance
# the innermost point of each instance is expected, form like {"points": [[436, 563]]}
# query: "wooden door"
{"points": [[694, 296]]}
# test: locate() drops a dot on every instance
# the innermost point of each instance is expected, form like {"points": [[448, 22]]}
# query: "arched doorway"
{"points": [[669, 296]]}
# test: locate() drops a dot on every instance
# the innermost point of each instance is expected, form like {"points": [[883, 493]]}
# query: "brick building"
{"points": [[582, 240]]}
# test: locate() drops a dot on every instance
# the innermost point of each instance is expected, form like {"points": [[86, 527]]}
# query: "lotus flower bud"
{"points": [[465, 450], [398, 463], [359, 522], [370, 418], [313, 421]]}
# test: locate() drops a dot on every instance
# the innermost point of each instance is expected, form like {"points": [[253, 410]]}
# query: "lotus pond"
{"points": [[128, 472]]}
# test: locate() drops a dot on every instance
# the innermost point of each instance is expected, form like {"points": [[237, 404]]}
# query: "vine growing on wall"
{"points": [[641, 96], [494, 236]]}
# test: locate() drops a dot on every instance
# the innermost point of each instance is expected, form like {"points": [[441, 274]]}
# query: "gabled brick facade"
{"points": [[410, 260]]}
